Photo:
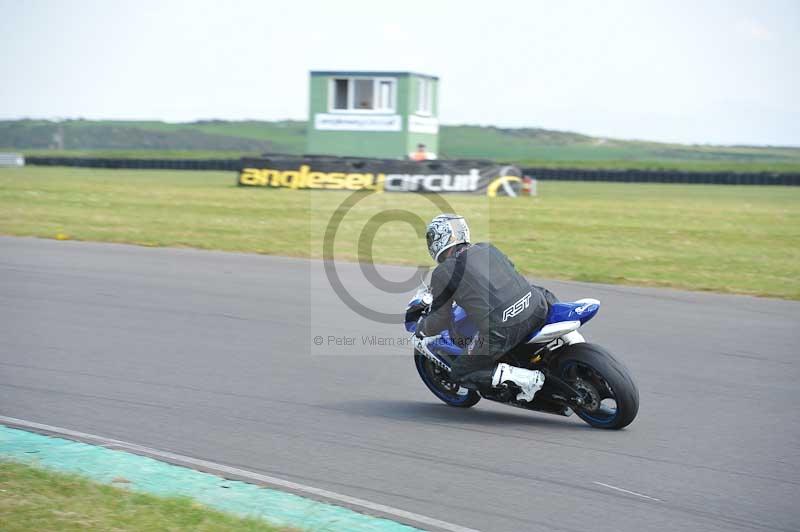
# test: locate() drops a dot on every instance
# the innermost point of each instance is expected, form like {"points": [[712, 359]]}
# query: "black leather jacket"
{"points": [[482, 280]]}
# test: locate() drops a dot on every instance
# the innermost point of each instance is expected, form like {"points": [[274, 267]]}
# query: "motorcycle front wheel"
{"points": [[611, 398], [437, 381]]}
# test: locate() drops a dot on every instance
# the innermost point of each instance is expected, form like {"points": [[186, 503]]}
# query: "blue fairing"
{"points": [[578, 311], [464, 325], [411, 326], [447, 346], [581, 311]]}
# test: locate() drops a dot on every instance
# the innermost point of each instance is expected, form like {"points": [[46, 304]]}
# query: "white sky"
{"points": [[686, 71]]}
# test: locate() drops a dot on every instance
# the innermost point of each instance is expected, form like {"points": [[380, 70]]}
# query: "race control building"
{"points": [[372, 114]]}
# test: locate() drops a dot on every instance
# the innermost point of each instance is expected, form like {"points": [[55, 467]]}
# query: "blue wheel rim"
{"points": [[427, 378], [592, 373]]}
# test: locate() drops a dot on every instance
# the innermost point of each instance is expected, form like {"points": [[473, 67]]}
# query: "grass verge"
{"points": [[37, 499], [719, 238]]}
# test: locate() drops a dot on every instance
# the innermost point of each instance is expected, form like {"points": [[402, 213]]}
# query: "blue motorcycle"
{"points": [[580, 377]]}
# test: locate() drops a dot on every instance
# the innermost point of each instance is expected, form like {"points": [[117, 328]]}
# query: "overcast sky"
{"points": [[719, 72]]}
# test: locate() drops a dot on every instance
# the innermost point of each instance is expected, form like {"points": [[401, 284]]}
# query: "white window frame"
{"points": [[424, 106], [392, 94], [376, 84]]}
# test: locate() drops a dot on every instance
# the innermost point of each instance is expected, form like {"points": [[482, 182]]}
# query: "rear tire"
{"points": [[437, 381], [605, 379]]}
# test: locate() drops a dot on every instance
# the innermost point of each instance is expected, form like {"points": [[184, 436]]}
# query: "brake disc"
{"points": [[589, 394]]}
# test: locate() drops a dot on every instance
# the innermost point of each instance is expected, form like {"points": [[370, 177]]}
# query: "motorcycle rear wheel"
{"points": [[437, 381], [612, 398]]}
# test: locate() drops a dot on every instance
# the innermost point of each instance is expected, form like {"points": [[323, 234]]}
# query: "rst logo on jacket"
{"points": [[517, 307]]}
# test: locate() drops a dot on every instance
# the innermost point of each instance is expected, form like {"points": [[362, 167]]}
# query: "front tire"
{"points": [[611, 395], [437, 380]]}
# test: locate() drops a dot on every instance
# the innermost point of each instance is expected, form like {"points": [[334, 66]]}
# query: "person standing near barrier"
{"points": [[420, 154]]}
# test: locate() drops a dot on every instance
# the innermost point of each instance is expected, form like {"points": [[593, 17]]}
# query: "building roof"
{"points": [[371, 73]]}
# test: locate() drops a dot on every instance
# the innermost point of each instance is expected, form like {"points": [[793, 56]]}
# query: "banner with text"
{"points": [[381, 175]]}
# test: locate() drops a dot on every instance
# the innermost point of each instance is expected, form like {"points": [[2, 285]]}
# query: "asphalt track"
{"points": [[212, 355]]}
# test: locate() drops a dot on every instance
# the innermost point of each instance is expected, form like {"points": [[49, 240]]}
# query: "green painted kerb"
{"points": [[160, 478]]}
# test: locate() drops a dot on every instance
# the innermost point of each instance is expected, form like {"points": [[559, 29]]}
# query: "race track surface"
{"points": [[212, 355]]}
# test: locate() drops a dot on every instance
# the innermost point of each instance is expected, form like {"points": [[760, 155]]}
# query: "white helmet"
{"points": [[446, 231]]}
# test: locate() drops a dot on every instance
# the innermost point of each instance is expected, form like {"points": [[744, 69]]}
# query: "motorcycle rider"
{"points": [[504, 305]]}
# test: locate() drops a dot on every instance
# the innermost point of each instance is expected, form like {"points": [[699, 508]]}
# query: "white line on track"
{"points": [[627, 491], [205, 465]]}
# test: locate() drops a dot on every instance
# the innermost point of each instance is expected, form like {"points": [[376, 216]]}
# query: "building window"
{"points": [[341, 93], [362, 95], [386, 95], [424, 97]]}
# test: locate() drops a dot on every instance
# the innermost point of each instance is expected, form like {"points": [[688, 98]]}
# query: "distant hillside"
{"points": [[527, 146], [81, 135]]}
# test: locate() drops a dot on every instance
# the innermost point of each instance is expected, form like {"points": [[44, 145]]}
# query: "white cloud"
{"points": [[756, 30]]}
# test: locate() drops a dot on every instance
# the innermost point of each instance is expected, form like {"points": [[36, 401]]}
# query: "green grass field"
{"points": [[36, 499], [527, 147], [719, 238]]}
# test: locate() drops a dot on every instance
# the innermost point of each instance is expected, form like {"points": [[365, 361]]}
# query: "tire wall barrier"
{"points": [[543, 174], [138, 164], [663, 176]]}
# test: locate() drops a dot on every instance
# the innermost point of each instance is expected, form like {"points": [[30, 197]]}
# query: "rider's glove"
{"points": [[420, 326]]}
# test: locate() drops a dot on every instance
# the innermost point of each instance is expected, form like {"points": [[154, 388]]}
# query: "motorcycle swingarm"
{"points": [[555, 397], [540, 403], [560, 391]]}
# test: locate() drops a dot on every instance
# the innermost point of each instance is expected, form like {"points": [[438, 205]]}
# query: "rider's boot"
{"points": [[529, 381], [477, 380]]}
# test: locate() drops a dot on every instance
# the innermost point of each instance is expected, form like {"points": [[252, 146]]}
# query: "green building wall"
{"points": [[381, 144]]}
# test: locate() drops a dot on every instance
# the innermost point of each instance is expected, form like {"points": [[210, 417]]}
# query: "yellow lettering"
{"points": [[355, 181], [272, 176], [378, 184], [252, 176], [302, 178], [317, 179], [289, 178], [336, 180]]}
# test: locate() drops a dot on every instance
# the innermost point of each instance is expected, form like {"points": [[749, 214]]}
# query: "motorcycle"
{"points": [[580, 377]]}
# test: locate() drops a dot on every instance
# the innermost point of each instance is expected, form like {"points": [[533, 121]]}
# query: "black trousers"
{"points": [[477, 365]]}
